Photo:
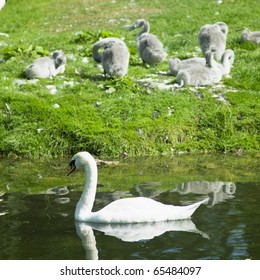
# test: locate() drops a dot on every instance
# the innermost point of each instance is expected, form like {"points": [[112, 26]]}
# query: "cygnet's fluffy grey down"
{"points": [[148, 45], [201, 75], [213, 36], [227, 59], [114, 57], [176, 64], [248, 36], [47, 67]]}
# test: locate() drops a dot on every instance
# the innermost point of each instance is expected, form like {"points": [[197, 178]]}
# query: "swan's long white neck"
{"points": [[85, 204], [146, 28]]}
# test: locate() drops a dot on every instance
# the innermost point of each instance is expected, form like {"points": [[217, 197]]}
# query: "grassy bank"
{"points": [[110, 117]]}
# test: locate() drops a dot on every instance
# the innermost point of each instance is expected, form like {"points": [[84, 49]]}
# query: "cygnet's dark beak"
{"points": [[131, 28], [72, 167]]}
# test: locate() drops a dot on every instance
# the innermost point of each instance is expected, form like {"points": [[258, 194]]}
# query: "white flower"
{"points": [[70, 83], [71, 57], [19, 82], [85, 60], [56, 106], [52, 89], [110, 90]]}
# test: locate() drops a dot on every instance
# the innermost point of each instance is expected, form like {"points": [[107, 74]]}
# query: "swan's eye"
{"points": [[72, 167]]}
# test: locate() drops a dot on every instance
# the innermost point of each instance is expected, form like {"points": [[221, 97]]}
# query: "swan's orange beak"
{"points": [[72, 167]]}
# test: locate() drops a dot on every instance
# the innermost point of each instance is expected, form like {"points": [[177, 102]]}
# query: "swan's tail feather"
{"points": [[193, 207]]}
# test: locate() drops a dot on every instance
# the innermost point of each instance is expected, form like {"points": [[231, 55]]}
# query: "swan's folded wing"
{"points": [[141, 209]]}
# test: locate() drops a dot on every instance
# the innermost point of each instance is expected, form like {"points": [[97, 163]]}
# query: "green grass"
{"points": [[109, 117]]}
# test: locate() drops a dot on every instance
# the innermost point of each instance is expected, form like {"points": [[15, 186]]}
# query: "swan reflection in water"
{"points": [[130, 232], [218, 191]]}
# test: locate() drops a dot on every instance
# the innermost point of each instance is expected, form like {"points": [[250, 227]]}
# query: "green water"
{"points": [[37, 202]]}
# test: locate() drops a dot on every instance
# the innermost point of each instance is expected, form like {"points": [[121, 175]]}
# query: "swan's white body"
{"points": [[2, 3], [148, 45], [114, 58], [227, 59], [47, 67], [248, 36], [201, 75], [126, 210], [213, 36]]}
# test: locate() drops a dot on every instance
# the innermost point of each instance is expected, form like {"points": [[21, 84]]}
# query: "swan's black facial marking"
{"points": [[72, 167]]}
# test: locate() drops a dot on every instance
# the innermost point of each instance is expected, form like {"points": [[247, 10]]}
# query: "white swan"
{"points": [[114, 58], [201, 75], [213, 36], [126, 210], [227, 59], [2, 3], [148, 45], [47, 67], [248, 36]]}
